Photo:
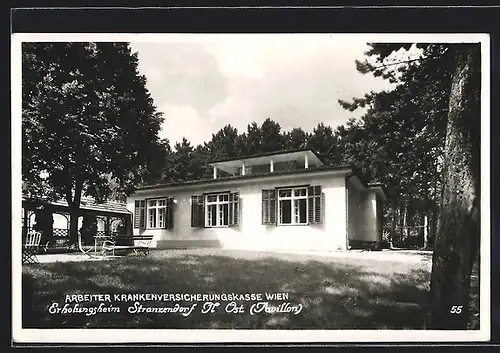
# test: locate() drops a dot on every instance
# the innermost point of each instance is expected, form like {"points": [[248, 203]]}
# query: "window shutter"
{"points": [[201, 211], [314, 198], [194, 211], [169, 213], [234, 208], [139, 214], [197, 211], [136, 214], [272, 206], [142, 222], [269, 206], [265, 206]]}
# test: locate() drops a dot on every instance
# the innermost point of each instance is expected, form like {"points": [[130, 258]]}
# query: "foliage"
{"points": [[89, 124], [438, 94], [184, 163], [323, 141], [404, 129], [87, 117], [296, 139]]}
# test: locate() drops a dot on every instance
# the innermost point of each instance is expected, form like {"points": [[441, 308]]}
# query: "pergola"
{"points": [[109, 212]]}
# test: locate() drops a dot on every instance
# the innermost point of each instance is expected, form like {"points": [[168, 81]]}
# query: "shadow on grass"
{"points": [[334, 293]]}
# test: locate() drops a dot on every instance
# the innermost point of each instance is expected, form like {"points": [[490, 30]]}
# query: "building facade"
{"points": [[279, 201]]}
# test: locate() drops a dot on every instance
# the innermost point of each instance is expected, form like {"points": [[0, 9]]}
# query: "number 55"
{"points": [[456, 309]]}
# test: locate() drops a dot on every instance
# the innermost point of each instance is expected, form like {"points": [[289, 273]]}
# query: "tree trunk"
{"points": [[433, 226], [410, 240], [74, 212], [404, 228], [73, 225], [426, 232], [401, 224], [457, 240]]}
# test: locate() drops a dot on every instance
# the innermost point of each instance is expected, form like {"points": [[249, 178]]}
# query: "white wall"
{"points": [[370, 224], [364, 222], [355, 212], [251, 234]]}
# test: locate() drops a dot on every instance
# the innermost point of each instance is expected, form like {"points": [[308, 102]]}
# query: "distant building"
{"points": [[110, 215]]}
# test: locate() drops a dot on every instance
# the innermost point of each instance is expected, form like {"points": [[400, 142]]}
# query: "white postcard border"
{"points": [[123, 336]]}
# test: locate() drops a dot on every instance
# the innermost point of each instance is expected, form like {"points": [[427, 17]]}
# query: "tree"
{"points": [[185, 162], [159, 168], [87, 117], [457, 242], [224, 143], [296, 139], [442, 85], [406, 127], [271, 137], [324, 143], [252, 139]]}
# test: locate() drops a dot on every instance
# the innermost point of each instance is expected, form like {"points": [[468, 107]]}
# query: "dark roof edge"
{"points": [[82, 206], [359, 174], [380, 185], [46, 199], [265, 154], [244, 177]]}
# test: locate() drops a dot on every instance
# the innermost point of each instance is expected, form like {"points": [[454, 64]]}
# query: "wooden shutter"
{"points": [[137, 208], [269, 206], [315, 203], [169, 213], [234, 208], [197, 211], [140, 214]]}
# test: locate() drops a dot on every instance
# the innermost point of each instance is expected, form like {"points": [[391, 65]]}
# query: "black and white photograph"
{"points": [[250, 187]]}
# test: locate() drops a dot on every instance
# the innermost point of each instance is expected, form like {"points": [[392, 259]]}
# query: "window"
{"points": [[155, 213], [294, 205], [215, 210]]}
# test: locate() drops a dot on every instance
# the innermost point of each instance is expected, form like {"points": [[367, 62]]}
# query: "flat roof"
{"points": [[265, 154], [231, 165]]}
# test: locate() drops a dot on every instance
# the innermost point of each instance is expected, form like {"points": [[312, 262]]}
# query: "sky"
{"points": [[202, 83]]}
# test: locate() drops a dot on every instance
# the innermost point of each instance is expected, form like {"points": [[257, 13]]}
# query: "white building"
{"points": [[275, 201]]}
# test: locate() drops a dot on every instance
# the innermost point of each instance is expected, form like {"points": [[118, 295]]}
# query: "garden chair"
{"points": [[31, 247]]}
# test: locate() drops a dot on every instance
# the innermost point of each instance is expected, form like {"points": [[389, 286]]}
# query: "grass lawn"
{"points": [[334, 292]]}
